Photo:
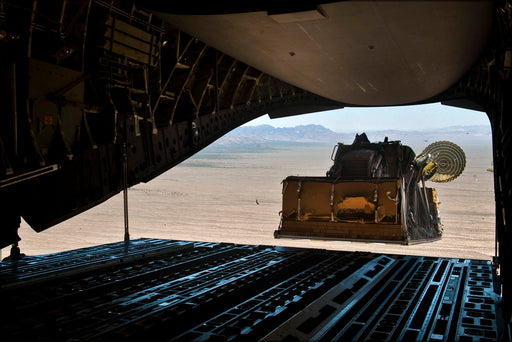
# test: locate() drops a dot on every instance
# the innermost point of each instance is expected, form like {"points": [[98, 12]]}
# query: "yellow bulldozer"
{"points": [[373, 192]]}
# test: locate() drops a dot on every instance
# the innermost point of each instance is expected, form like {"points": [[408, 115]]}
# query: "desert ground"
{"points": [[233, 195]]}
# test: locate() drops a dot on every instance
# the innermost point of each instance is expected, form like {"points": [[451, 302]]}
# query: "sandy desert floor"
{"points": [[212, 197]]}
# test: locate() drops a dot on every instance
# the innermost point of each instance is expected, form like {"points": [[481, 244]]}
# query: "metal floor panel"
{"points": [[175, 290]]}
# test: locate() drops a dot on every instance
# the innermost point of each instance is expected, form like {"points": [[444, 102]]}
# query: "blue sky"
{"points": [[417, 117]]}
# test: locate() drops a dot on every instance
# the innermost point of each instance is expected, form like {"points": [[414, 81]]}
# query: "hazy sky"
{"points": [[405, 117]]}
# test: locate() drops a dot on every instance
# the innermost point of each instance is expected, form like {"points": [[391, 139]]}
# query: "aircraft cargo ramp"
{"points": [[176, 290]]}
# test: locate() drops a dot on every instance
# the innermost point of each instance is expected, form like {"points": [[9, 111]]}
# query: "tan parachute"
{"points": [[449, 159]]}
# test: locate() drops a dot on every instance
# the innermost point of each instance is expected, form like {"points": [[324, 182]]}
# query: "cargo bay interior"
{"points": [[101, 95]]}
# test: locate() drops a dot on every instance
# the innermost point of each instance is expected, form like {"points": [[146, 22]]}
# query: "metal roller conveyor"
{"points": [[211, 291]]}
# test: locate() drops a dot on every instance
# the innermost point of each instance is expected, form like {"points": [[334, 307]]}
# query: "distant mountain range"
{"points": [[319, 134], [266, 133]]}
